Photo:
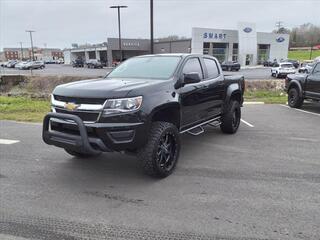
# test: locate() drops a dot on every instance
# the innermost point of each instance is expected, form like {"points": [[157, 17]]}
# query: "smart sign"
{"points": [[211, 35]]}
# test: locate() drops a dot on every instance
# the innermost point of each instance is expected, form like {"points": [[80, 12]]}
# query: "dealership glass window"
{"points": [[212, 67], [219, 50], [235, 51], [193, 65], [263, 52], [206, 47]]}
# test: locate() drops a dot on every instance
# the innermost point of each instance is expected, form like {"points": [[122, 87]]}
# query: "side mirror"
{"points": [[192, 77]]}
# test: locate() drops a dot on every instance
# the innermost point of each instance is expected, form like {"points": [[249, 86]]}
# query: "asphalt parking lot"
{"points": [[262, 183], [56, 69]]}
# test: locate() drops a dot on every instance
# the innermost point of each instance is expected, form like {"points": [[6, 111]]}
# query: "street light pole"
{"points": [[151, 27], [119, 29], [21, 50], [30, 32]]}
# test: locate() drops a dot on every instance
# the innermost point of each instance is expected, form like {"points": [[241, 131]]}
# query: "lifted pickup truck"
{"points": [[303, 86], [143, 106]]}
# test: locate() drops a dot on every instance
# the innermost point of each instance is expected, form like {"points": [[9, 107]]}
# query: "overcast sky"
{"points": [[58, 23]]}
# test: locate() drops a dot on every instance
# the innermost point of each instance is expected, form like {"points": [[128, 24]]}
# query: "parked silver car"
{"points": [[33, 65]]}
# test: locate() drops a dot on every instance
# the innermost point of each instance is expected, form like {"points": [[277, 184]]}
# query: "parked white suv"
{"points": [[282, 69]]}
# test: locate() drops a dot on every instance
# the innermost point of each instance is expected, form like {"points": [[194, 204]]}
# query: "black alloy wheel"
{"points": [[294, 100], [160, 154], [166, 151]]}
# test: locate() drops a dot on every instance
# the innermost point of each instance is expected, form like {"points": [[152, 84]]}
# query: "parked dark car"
{"points": [[230, 66], [142, 107], [303, 86], [295, 63], [269, 63], [78, 63], [94, 63]]}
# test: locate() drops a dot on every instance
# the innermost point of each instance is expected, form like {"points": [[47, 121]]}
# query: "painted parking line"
{"points": [[8, 141], [253, 103], [248, 124], [300, 110]]}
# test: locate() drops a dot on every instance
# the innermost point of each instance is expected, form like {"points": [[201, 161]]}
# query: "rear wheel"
{"points": [[160, 155], [294, 99], [230, 120], [79, 154]]}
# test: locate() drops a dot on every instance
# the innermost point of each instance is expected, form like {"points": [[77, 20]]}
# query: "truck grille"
{"points": [[80, 100], [85, 116]]}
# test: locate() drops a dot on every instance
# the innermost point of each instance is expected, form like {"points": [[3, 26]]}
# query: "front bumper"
{"points": [[286, 73], [69, 131]]}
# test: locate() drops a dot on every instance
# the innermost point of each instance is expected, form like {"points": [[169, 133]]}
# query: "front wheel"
{"points": [[230, 120], [160, 154], [294, 99]]}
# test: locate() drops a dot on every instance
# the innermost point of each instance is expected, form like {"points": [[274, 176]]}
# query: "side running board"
{"points": [[198, 129]]}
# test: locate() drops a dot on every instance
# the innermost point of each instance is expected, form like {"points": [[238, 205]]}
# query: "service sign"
{"points": [[211, 35]]}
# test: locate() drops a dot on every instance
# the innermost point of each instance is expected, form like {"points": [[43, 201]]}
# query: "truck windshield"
{"points": [[151, 67]]}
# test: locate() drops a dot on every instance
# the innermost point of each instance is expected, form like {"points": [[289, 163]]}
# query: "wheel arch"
{"points": [[168, 112], [296, 84]]}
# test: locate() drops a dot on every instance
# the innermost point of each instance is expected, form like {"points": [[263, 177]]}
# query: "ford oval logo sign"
{"points": [[247, 29], [280, 39]]}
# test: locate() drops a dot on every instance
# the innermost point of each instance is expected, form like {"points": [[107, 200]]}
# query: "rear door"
{"points": [[214, 90], [313, 82]]}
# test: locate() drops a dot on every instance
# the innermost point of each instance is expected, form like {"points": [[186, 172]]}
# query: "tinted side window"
{"points": [[212, 68], [193, 65], [317, 69]]}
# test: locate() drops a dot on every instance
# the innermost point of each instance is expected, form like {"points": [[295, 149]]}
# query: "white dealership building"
{"points": [[245, 45]]}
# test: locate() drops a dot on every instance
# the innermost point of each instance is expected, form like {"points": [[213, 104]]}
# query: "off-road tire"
{"points": [[230, 120], [148, 154], [294, 100], [79, 154]]}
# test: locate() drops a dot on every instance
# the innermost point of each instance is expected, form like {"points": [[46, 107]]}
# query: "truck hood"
{"points": [[106, 87], [297, 76]]}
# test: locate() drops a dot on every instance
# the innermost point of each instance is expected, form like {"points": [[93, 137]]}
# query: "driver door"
{"points": [[191, 94]]}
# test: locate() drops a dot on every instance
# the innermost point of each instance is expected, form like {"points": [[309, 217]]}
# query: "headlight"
{"points": [[122, 105]]}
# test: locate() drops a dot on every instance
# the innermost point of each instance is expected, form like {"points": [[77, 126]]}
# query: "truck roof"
{"points": [[172, 54]]}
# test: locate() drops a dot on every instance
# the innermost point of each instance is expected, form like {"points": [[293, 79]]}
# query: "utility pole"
{"points": [[279, 25], [311, 51], [21, 50], [30, 32], [119, 27], [151, 27]]}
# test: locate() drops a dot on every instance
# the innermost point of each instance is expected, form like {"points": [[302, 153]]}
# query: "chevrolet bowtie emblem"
{"points": [[71, 106]]}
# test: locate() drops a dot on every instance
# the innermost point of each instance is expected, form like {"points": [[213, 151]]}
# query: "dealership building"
{"points": [[245, 45]]}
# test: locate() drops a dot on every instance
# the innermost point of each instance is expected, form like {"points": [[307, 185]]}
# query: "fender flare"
{"points": [[233, 88], [297, 84]]}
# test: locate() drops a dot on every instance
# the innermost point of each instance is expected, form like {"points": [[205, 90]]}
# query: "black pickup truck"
{"points": [[303, 86], [143, 106]]}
